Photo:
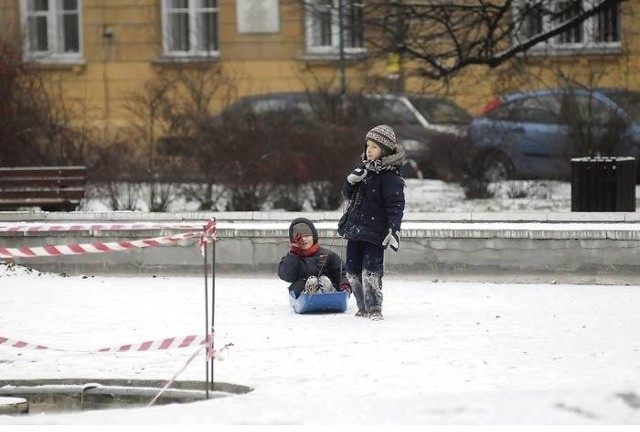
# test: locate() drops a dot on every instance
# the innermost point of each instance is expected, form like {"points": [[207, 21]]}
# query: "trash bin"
{"points": [[603, 184]]}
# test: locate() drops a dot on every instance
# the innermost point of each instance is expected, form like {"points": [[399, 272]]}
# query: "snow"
{"points": [[427, 196], [438, 196], [447, 353]]}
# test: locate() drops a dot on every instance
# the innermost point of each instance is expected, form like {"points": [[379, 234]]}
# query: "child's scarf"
{"points": [[312, 250]]}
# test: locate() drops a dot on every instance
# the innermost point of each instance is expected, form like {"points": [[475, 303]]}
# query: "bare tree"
{"points": [[444, 37], [168, 123], [38, 125]]}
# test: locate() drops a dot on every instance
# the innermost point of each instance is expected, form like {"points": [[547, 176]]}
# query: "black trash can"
{"points": [[603, 184]]}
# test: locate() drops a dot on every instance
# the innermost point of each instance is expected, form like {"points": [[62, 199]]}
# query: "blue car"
{"points": [[534, 135]]}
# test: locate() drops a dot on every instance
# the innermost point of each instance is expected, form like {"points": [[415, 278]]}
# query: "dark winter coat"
{"points": [[295, 268], [376, 203]]}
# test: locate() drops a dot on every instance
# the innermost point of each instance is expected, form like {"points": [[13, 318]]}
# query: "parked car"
{"points": [[431, 129], [535, 134]]}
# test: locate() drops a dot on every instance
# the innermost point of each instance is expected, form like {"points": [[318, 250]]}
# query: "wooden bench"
{"points": [[56, 188]]}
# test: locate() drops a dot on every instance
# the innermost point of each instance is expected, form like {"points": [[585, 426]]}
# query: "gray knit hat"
{"points": [[302, 226], [383, 135]]}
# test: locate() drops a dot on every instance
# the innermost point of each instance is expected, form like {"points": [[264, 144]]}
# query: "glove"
{"points": [[295, 246], [356, 175], [392, 239], [345, 287]]}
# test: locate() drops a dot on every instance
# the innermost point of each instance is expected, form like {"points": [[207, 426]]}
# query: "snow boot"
{"points": [[311, 286], [325, 284], [376, 316]]}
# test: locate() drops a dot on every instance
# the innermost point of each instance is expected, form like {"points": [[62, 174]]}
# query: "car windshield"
{"points": [[440, 111], [629, 101]]}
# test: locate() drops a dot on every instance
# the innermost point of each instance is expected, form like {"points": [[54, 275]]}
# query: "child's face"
{"points": [[373, 151], [305, 242]]}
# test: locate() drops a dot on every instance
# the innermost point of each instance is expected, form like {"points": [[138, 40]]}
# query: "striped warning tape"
{"points": [[208, 235], [90, 248], [154, 345], [28, 227], [211, 354]]}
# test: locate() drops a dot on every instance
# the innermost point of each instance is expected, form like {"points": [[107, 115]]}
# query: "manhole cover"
{"points": [[13, 405], [50, 395]]}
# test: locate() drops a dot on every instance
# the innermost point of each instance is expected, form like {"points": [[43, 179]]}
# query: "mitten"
{"points": [[345, 287], [392, 239], [356, 175], [295, 246]]}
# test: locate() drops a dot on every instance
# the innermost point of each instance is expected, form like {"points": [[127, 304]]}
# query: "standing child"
{"points": [[308, 266], [375, 190]]}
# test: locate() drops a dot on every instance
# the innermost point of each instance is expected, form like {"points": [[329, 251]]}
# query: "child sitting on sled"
{"points": [[309, 267]]}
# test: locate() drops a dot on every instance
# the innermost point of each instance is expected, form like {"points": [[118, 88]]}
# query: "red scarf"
{"points": [[305, 253]]}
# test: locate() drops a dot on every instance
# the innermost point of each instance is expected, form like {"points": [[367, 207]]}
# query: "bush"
{"points": [[273, 158]]}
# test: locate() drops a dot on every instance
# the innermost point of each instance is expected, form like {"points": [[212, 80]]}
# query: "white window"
{"points": [[601, 31], [190, 27], [323, 26], [51, 30]]}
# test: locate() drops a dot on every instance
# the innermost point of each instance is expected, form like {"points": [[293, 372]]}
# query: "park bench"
{"points": [[55, 188]]}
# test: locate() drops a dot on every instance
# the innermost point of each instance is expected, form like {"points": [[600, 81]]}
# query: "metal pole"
{"points": [[213, 302], [343, 77], [206, 317]]}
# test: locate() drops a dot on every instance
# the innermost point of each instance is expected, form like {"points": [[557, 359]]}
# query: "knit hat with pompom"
{"points": [[384, 136]]}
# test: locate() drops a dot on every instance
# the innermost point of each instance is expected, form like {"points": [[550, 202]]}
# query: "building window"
{"points": [[532, 21], [600, 31], [323, 26], [51, 29], [566, 10], [190, 27], [607, 24]]}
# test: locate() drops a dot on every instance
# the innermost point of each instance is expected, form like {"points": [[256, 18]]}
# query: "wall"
{"points": [[527, 247]]}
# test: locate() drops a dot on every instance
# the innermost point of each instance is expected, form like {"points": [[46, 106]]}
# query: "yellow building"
{"points": [[99, 53]]}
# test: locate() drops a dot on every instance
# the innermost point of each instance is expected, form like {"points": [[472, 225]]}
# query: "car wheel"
{"points": [[495, 167], [410, 169]]}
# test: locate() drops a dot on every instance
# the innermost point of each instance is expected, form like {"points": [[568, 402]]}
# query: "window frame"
{"points": [[310, 8], [588, 31], [55, 37], [192, 10]]}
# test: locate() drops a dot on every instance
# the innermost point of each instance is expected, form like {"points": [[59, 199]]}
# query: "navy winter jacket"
{"points": [[375, 204]]}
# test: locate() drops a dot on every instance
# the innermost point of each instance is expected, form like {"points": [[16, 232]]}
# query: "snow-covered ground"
{"points": [[447, 353], [510, 196]]}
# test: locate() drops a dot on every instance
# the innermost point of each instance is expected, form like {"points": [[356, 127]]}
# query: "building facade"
{"points": [[99, 52]]}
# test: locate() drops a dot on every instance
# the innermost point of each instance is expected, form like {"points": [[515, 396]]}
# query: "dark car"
{"points": [[431, 129], [534, 134]]}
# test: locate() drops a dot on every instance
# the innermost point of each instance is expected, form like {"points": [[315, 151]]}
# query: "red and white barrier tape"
{"points": [[210, 353], [208, 235], [29, 227], [154, 345], [90, 248]]}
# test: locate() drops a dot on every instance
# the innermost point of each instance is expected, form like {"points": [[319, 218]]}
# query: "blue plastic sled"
{"points": [[323, 302]]}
